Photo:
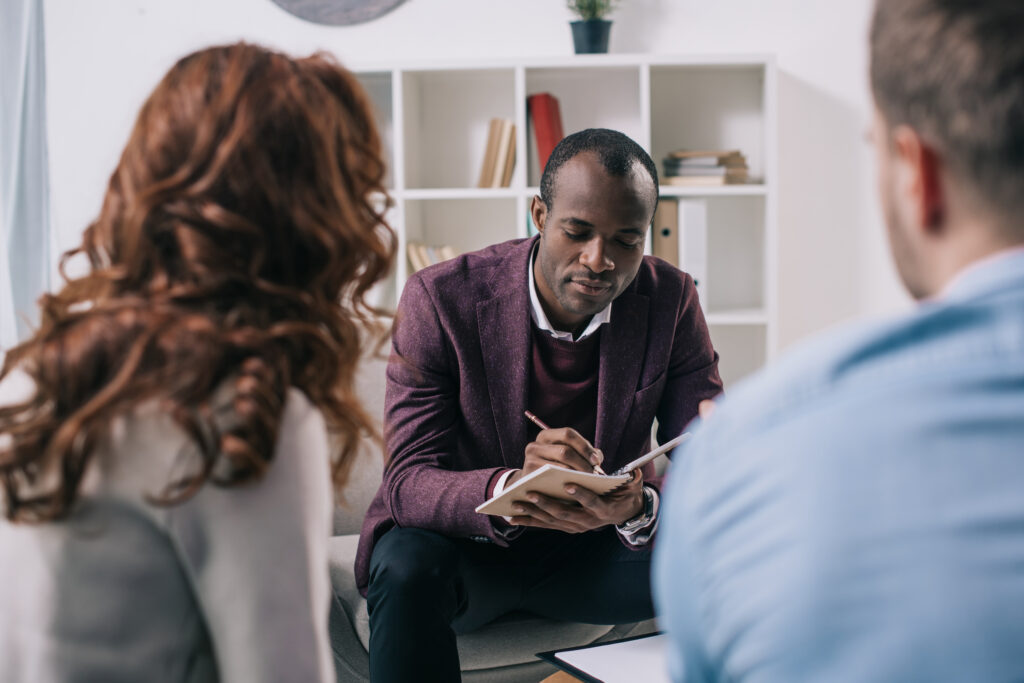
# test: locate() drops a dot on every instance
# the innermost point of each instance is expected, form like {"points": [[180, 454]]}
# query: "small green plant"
{"points": [[591, 9]]}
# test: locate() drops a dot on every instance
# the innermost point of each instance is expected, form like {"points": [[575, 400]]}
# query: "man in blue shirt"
{"points": [[856, 513]]}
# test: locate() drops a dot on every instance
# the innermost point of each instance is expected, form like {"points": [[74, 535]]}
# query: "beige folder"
{"points": [[665, 235]]}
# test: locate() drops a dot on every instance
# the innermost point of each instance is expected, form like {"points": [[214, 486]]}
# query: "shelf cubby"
{"points": [[709, 107], [735, 261], [465, 224], [741, 350], [447, 117], [588, 97]]}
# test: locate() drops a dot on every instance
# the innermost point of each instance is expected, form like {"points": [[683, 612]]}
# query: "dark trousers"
{"points": [[425, 587]]}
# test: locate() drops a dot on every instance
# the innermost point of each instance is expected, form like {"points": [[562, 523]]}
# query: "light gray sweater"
{"points": [[232, 585]]}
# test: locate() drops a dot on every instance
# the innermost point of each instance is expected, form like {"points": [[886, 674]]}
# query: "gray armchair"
{"points": [[501, 651]]}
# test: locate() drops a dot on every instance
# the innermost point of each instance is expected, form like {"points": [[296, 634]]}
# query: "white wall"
{"points": [[104, 56]]}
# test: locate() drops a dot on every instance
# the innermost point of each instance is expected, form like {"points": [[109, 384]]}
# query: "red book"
{"points": [[547, 124]]}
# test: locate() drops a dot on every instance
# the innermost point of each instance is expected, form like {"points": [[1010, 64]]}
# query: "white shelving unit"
{"points": [[435, 117]]}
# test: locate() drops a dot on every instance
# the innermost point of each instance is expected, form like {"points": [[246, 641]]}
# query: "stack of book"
{"points": [[704, 167], [500, 154], [421, 255]]}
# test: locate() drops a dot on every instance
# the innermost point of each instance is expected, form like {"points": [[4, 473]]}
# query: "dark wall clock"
{"points": [[338, 12]]}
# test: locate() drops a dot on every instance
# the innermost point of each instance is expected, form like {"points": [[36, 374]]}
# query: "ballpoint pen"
{"points": [[540, 423]]}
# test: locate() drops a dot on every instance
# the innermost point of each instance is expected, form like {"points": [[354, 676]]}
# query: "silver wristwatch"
{"points": [[645, 517]]}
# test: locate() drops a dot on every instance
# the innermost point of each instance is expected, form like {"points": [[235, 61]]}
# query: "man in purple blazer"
{"points": [[596, 339]]}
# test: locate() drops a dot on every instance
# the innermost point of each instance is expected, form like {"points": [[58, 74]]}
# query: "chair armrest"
{"points": [[348, 612]]}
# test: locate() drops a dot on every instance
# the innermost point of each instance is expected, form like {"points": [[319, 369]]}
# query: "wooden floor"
{"points": [[561, 677]]}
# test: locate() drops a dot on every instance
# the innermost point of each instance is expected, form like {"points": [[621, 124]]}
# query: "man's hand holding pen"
{"points": [[565, 447]]}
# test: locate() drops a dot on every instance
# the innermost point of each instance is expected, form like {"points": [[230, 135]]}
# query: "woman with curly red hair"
{"points": [[164, 436]]}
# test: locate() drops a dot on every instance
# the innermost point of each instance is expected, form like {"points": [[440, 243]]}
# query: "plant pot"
{"points": [[590, 36]]}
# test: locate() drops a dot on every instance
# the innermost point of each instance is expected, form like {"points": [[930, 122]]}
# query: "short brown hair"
{"points": [[954, 71]]}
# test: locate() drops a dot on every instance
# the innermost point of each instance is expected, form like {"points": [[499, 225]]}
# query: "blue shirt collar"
{"points": [[992, 273]]}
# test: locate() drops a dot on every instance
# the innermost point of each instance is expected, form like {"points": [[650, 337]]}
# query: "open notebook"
{"points": [[551, 480]]}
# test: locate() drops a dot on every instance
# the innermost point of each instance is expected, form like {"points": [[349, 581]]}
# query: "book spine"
{"points": [[424, 255], [490, 154], [698, 180], [501, 157], [696, 171], [510, 158], [547, 125], [414, 257]]}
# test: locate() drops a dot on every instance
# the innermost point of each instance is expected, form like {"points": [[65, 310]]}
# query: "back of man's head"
{"points": [[953, 70]]}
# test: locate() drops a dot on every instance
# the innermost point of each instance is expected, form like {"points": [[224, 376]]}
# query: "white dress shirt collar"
{"points": [[540, 319]]}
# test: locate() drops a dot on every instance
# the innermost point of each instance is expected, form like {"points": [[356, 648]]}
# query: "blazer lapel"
{"points": [[504, 327], [623, 346]]}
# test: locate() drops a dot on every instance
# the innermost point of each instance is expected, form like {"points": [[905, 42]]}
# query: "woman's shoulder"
{"points": [[144, 448], [301, 415], [303, 443]]}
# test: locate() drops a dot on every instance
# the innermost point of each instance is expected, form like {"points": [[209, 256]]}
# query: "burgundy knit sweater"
{"points": [[563, 385], [563, 382]]}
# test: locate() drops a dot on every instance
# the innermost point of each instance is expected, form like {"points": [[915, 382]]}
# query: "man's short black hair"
{"points": [[954, 71], [617, 151]]}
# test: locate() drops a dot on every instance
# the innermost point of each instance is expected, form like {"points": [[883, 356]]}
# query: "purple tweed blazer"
{"points": [[458, 381]]}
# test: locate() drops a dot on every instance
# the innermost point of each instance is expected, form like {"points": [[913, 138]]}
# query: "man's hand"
{"points": [[586, 511], [562, 447]]}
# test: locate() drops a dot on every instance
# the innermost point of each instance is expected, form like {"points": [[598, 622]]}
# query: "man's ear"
{"points": [[539, 213], [919, 179]]}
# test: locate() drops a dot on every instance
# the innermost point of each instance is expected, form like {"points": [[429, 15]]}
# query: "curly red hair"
{"points": [[238, 238]]}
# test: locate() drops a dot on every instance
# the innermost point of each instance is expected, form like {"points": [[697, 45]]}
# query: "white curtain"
{"points": [[24, 170]]}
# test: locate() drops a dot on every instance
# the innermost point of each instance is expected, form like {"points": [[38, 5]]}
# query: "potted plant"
{"points": [[590, 33]]}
